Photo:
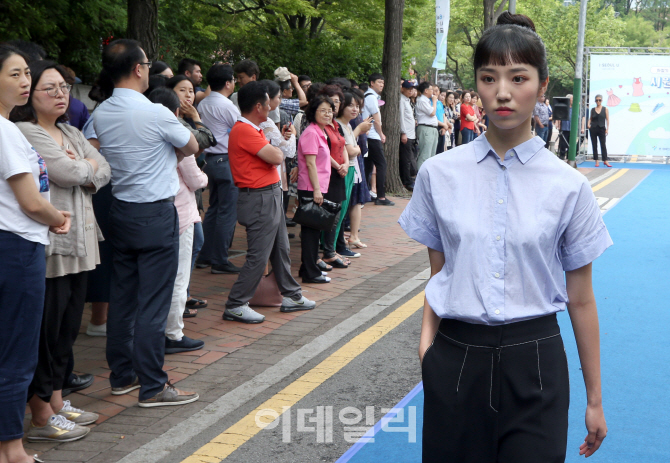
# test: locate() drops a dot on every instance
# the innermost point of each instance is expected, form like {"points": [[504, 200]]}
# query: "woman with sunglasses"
{"points": [[598, 126]]}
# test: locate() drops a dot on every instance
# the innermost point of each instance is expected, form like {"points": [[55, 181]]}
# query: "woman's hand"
{"points": [[343, 169], [65, 227], [318, 197], [293, 176], [70, 154], [366, 125], [597, 428], [188, 110], [607, 132]]}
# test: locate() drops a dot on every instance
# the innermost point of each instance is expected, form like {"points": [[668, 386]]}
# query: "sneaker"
{"points": [[57, 429], [77, 416], [349, 253], [170, 395], [384, 202], [126, 389], [185, 345], [96, 330], [226, 268], [243, 314], [289, 305], [373, 195]]}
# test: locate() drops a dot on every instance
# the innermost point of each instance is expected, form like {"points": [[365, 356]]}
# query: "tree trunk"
{"points": [[491, 13], [392, 70], [143, 25]]}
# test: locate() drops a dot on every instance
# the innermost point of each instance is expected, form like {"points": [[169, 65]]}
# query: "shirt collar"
{"points": [[130, 93], [247, 121], [525, 151]]}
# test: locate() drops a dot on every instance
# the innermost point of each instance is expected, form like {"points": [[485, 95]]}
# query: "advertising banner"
{"points": [[442, 11], [636, 92]]}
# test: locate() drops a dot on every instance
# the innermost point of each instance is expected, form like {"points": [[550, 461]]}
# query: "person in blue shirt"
{"points": [[511, 232], [142, 142]]}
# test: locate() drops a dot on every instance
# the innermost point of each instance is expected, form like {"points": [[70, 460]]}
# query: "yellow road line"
{"points": [[235, 436], [609, 180]]}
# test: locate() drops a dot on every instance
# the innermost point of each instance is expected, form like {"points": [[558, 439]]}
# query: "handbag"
{"points": [[267, 293], [320, 217]]}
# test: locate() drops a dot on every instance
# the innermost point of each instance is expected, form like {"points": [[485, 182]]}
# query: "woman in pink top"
{"points": [[191, 178], [313, 179]]}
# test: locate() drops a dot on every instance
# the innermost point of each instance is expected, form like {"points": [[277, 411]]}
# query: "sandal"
{"points": [[338, 263], [190, 312], [194, 303], [357, 244], [323, 266]]}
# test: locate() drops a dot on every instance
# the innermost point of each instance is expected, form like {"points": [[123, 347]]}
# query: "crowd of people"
{"points": [[106, 208]]}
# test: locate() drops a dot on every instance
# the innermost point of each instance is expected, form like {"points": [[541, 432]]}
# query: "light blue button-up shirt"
{"points": [[508, 230], [219, 114], [138, 138]]}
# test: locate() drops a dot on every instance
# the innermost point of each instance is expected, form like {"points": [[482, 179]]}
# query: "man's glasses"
{"points": [[146, 64], [53, 91]]}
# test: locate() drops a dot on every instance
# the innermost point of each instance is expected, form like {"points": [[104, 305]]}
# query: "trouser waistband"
{"points": [[496, 336]]}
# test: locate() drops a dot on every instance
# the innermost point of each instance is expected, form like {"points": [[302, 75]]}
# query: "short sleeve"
{"points": [[371, 104], [253, 141], [586, 236], [309, 143], [419, 219], [13, 146], [88, 130], [171, 129]]}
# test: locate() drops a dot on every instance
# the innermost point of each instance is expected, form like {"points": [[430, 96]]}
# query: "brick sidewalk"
{"points": [[131, 427]]}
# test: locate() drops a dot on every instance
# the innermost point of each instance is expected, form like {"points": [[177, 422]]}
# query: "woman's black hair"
{"points": [[314, 103], [173, 81], [157, 67], [512, 40], [359, 95], [346, 101], [314, 90], [7, 50], [333, 90], [155, 81], [26, 113], [166, 97], [272, 88]]}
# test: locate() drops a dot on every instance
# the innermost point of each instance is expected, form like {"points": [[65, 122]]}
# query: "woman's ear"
{"points": [[178, 112], [543, 87]]}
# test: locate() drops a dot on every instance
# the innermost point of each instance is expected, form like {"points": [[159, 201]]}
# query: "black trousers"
{"points": [[496, 394], [309, 246], [376, 158], [407, 159], [145, 239], [598, 133], [63, 307]]}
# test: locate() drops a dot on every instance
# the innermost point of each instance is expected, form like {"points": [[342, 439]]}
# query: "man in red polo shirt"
{"points": [[253, 162]]}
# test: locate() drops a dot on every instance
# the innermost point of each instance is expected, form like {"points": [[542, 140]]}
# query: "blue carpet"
{"points": [[628, 165], [632, 286]]}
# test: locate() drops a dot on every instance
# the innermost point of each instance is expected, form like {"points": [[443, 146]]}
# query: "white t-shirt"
{"points": [[17, 156]]}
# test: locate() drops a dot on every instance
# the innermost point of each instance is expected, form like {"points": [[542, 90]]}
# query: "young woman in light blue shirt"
{"points": [[511, 233]]}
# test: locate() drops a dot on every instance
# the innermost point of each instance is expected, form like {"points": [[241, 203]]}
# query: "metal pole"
{"points": [[512, 6], [577, 88]]}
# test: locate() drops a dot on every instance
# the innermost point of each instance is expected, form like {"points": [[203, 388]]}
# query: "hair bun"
{"points": [[516, 19]]}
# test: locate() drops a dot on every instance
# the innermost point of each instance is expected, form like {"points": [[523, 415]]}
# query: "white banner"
{"points": [[636, 92], [442, 11]]}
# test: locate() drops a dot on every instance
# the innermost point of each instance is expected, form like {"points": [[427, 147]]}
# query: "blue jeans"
{"points": [[467, 136], [22, 285], [198, 241], [542, 132], [221, 216]]}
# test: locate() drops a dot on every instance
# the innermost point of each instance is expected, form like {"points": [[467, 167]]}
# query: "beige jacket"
{"points": [[67, 178]]}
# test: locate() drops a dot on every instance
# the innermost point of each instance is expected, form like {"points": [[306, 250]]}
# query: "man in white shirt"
{"points": [[219, 114], [376, 138], [426, 130], [408, 135]]}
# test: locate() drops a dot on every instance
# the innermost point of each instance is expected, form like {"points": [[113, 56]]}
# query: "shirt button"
{"points": [[500, 201], [504, 168], [511, 155], [497, 312], [497, 275], [498, 237]]}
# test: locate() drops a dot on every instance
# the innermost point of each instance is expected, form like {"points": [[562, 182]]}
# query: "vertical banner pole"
{"points": [[577, 88]]}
